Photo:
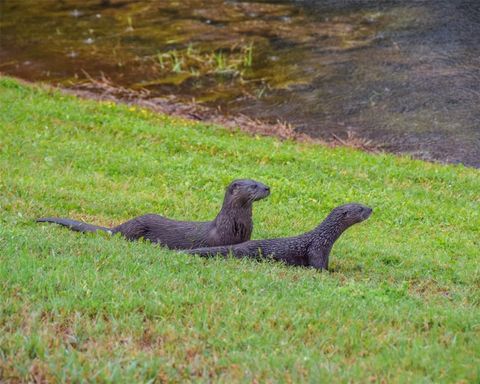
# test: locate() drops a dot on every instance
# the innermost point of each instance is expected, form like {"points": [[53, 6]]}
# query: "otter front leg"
{"points": [[318, 258]]}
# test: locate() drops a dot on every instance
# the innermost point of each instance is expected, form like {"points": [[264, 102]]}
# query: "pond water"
{"points": [[405, 74]]}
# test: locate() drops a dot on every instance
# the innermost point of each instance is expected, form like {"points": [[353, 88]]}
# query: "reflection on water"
{"points": [[402, 73]]}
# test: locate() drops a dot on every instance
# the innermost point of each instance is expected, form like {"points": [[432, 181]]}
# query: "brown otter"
{"points": [[310, 249], [232, 225]]}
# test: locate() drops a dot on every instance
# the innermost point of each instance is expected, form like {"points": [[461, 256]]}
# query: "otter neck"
{"points": [[328, 231], [234, 211]]}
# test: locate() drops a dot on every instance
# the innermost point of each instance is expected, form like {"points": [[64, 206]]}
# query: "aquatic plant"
{"points": [[220, 61], [233, 60], [248, 55]]}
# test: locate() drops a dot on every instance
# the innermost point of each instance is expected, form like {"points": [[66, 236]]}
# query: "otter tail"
{"points": [[73, 225]]}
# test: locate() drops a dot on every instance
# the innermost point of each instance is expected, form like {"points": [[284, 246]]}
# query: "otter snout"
{"points": [[367, 211], [261, 191]]}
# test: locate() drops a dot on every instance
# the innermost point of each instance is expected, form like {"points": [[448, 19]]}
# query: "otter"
{"points": [[311, 249], [232, 225]]}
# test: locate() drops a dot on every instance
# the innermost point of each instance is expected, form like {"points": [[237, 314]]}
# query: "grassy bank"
{"points": [[402, 302]]}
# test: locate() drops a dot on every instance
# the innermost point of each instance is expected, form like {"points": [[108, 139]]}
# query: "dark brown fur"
{"points": [[310, 249], [232, 225]]}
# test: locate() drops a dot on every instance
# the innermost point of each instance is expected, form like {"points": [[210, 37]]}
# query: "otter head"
{"points": [[349, 214], [245, 191]]}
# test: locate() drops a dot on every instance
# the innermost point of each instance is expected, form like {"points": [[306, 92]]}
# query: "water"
{"points": [[405, 74]]}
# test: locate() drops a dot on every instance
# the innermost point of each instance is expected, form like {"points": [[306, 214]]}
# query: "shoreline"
{"points": [[104, 90]]}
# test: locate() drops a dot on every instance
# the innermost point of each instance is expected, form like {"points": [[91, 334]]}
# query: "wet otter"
{"points": [[232, 225], [310, 249]]}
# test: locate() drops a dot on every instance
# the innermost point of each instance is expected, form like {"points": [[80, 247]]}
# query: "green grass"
{"points": [[401, 304]]}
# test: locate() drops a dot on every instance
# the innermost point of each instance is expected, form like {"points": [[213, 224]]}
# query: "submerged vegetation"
{"points": [[221, 68], [208, 51], [194, 62], [401, 304]]}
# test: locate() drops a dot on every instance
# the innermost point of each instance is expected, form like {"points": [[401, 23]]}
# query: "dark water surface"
{"points": [[405, 74]]}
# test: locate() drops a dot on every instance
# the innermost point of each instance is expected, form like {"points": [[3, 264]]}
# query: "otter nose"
{"points": [[267, 189], [368, 212]]}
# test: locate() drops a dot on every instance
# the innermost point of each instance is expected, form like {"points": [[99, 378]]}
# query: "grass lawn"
{"points": [[401, 304]]}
